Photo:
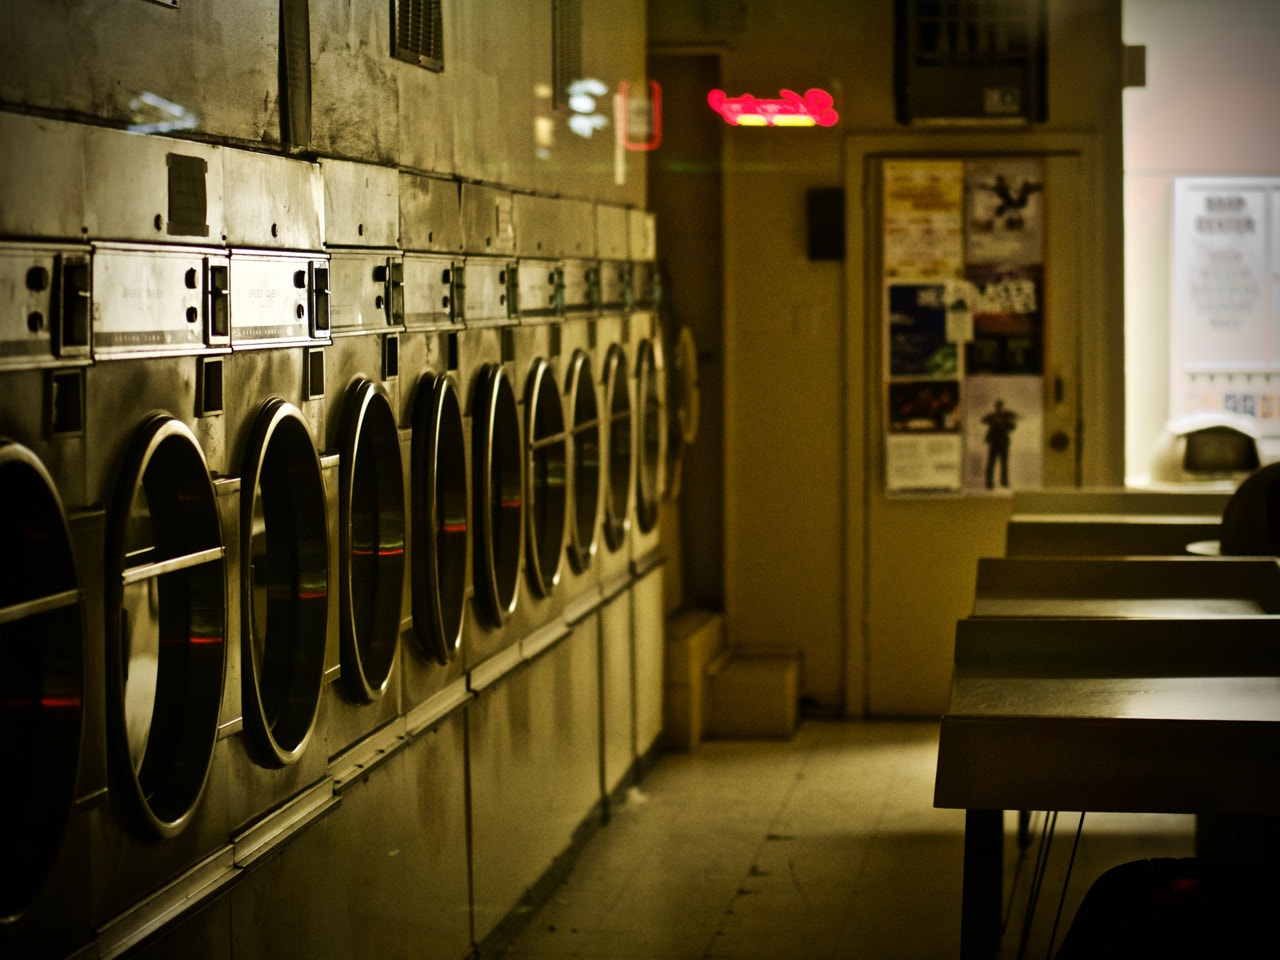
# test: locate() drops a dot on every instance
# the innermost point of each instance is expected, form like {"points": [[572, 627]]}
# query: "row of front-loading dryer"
{"points": [[246, 577]]}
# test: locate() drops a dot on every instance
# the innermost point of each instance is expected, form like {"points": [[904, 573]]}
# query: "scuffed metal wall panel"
{"points": [[354, 95], [204, 67], [504, 50], [428, 102]]}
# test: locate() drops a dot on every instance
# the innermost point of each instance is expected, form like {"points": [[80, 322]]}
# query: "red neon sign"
{"points": [[792, 110]]}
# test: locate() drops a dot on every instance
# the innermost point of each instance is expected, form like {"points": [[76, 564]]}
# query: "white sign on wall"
{"points": [[1225, 298]]}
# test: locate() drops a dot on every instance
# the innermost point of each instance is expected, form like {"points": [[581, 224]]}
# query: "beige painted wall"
{"points": [[867, 589], [1209, 107]]}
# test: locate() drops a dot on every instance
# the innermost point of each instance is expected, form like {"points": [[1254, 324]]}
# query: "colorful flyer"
{"points": [[1008, 328], [1004, 223], [1003, 433], [923, 218], [918, 341], [923, 406]]}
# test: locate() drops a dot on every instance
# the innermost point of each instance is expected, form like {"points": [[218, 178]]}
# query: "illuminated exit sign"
{"points": [[790, 110]]}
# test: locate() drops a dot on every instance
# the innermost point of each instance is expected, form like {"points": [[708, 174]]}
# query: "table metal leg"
{"points": [[983, 884]]}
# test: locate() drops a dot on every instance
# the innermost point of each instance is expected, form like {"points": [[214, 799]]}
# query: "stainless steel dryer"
{"points": [[360, 380], [44, 883], [53, 736], [154, 440]]}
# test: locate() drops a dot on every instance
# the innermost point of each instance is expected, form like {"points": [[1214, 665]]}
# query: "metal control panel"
{"points": [[540, 286], [430, 291], [149, 300], [279, 299], [366, 290], [487, 293], [45, 305], [581, 289]]}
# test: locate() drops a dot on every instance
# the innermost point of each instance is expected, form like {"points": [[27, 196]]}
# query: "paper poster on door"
{"points": [[1003, 433], [918, 331], [1008, 323], [923, 447], [923, 218], [1004, 223]]}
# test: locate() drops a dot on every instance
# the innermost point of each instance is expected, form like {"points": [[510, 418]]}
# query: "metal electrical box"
{"points": [[970, 61]]}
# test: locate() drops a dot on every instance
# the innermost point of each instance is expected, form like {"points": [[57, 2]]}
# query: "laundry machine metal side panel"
{"points": [[534, 772], [204, 934], [648, 618], [120, 394], [25, 403], [128, 865], [617, 691], [400, 837]]}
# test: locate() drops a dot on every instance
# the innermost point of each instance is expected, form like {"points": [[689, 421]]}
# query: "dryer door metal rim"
{"points": [[166, 623], [439, 518], [617, 479], [649, 416], [371, 542], [498, 486], [41, 677], [285, 583], [546, 496], [584, 428]]}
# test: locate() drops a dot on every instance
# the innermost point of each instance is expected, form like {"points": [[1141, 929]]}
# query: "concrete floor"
{"points": [[824, 846]]}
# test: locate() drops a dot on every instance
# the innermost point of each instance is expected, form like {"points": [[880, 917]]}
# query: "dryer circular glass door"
{"points": [[439, 517], [498, 490], [41, 677], [617, 479], [284, 543], [584, 432], [546, 465], [371, 542], [650, 417], [166, 623]]}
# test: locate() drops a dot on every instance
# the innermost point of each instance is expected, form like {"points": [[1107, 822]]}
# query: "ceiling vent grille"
{"points": [[419, 33]]}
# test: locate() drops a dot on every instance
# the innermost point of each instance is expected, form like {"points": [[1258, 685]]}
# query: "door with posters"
{"points": [[967, 370]]}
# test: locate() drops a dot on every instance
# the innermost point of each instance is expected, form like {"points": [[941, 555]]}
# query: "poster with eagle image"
{"points": [[1004, 222]]}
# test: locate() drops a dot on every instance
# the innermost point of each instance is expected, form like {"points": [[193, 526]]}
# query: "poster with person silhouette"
{"points": [[1003, 428], [1004, 219]]}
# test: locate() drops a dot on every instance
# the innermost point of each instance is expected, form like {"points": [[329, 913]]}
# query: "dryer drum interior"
{"points": [[372, 542], [285, 544], [41, 677], [618, 477], [547, 456], [166, 623], [439, 518], [584, 428], [650, 417], [498, 489]]}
